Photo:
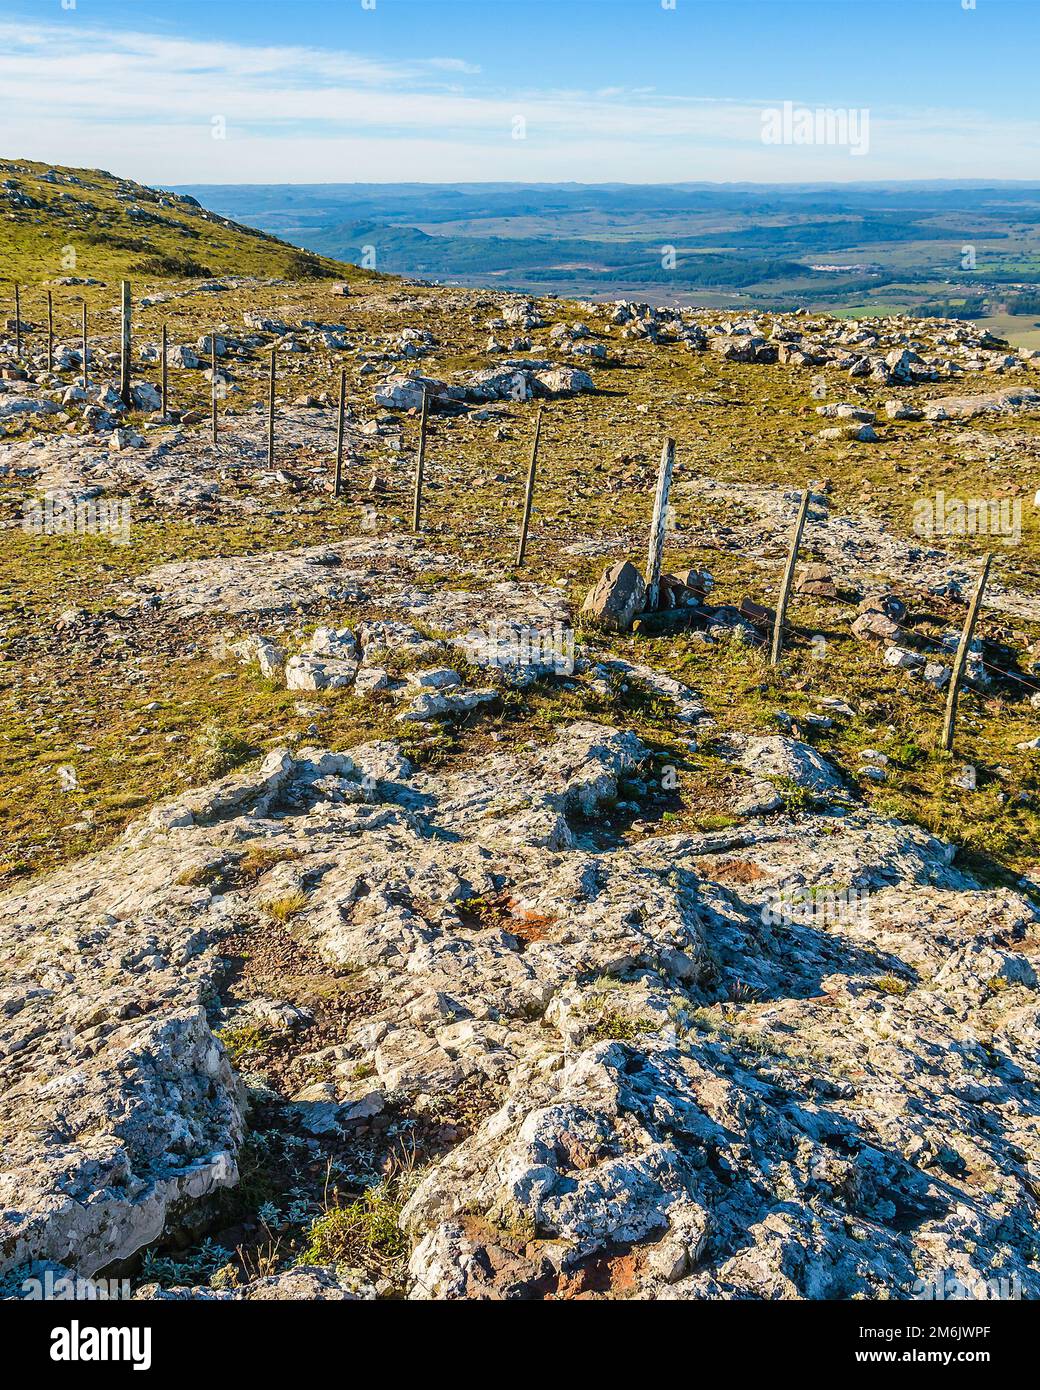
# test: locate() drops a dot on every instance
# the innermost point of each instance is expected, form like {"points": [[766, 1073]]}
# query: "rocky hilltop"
{"points": [[381, 918]]}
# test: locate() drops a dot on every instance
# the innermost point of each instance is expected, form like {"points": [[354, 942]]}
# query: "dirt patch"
{"points": [[737, 871]]}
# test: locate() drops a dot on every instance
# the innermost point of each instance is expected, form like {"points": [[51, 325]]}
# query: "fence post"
{"points": [[337, 486], [124, 365], [83, 343], [17, 322], [270, 410], [50, 331], [213, 383], [659, 525], [962, 655], [164, 380], [529, 494], [785, 586], [420, 462]]}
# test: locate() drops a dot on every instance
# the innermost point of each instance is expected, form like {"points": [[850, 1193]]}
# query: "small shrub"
{"points": [[283, 908], [890, 984], [614, 1026], [200, 876], [218, 751], [245, 1043], [179, 267], [259, 858], [795, 797], [302, 265], [194, 1267], [365, 1232]]}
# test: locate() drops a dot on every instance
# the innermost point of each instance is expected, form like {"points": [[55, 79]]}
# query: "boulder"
{"points": [[499, 384], [899, 410], [563, 381], [617, 598], [182, 356], [858, 434], [210, 341], [406, 392], [145, 396], [875, 626], [816, 580]]}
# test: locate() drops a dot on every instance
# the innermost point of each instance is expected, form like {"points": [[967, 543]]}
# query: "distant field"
{"points": [[1020, 330], [899, 248]]}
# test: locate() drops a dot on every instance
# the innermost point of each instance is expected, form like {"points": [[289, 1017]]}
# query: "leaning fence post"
{"points": [[337, 486], [785, 586], [50, 331], [529, 494], [420, 462], [659, 525], [270, 410], [124, 364], [83, 344], [165, 375], [962, 656], [213, 384], [17, 322]]}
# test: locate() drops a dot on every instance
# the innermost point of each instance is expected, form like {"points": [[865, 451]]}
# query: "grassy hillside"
{"points": [[125, 715], [88, 223]]}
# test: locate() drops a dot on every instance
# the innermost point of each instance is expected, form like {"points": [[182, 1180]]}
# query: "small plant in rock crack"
{"points": [[246, 1042], [795, 798], [740, 992], [201, 876], [259, 858], [890, 984], [196, 1267], [608, 1018], [614, 1026], [363, 1232], [286, 907]]}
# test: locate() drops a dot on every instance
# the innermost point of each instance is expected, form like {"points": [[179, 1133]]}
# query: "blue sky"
{"points": [[180, 91]]}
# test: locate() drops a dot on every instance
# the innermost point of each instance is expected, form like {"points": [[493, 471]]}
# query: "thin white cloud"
{"points": [[143, 104]]}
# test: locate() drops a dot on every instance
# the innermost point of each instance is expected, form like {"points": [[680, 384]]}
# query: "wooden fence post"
{"points": [[164, 376], [529, 493], [337, 486], [785, 586], [962, 655], [50, 331], [83, 343], [420, 463], [124, 366], [17, 322], [659, 525], [270, 409], [213, 383]]}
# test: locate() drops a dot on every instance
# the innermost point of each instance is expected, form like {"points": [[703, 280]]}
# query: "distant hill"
{"points": [[563, 262], [89, 223]]}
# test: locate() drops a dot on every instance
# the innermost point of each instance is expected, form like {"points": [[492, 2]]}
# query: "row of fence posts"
{"points": [[126, 348], [963, 645], [658, 524], [50, 331]]}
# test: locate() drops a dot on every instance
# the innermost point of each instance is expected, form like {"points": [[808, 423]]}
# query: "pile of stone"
{"points": [[619, 597], [508, 382]]}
